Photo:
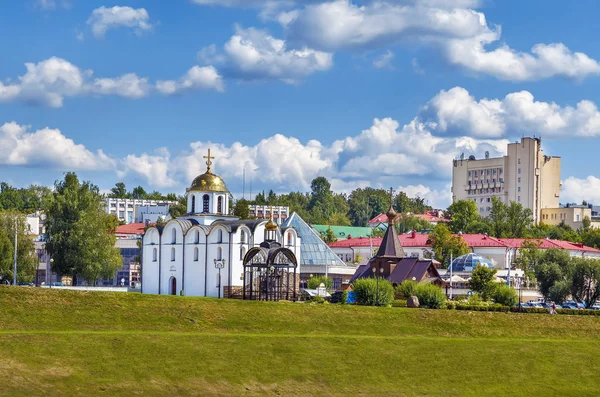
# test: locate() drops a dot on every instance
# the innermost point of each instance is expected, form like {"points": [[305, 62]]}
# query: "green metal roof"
{"points": [[342, 232]]}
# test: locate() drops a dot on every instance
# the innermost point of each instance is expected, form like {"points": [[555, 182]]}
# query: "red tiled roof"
{"points": [[381, 218], [132, 228], [472, 240]]}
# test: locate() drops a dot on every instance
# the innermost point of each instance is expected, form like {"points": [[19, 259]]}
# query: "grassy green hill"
{"points": [[91, 343]]}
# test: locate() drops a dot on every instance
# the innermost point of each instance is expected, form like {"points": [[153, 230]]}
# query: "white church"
{"points": [[209, 252]]}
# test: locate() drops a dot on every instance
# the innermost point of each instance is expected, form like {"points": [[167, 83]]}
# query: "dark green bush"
{"points": [[405, 290], [482, 308], [315, 281], [365, 290], [430, 296], [318, 299], [399, 303], [339, 297]]}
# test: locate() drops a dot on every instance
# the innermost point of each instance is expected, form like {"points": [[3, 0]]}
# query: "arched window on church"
{"points": [[220, 205], [243, 237], [193, 204], [173, 236], [154, 254], [219, 254], [173, 254], [196, 254], [242, 252], [205, 204], [197, 237], [219, 236]]}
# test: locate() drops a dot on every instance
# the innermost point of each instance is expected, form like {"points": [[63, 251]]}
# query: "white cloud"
{"points": [[47, 148], [253, 54], [575, 190], [152, 167], [197, 78], [50, 81], [104, 18], [544, 61], [339, 24], [461, 34], [456, 112], [384, 61], [382, 154], [433, 197]]}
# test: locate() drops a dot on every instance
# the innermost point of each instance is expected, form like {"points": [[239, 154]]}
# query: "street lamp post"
{"points": [[219, 264], [15, 258], [377, 284]]}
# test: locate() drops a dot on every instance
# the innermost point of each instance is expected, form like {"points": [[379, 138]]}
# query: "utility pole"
{"points": [[15, 259]]}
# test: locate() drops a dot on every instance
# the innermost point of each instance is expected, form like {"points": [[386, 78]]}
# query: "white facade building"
{"points": [[125, 209], [202, 252], [280, 213], [525, 175]]}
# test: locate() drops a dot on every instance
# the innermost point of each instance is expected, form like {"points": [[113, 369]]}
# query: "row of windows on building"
{"points": [[196, 254], [488, 200], [486, 191], [563, 216], [489, 171]]}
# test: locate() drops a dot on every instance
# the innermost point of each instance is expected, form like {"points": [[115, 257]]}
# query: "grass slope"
{"points": [[90, 343]]}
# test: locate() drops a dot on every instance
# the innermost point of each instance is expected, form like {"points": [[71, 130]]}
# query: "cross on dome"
{"points": [[208, 162]]}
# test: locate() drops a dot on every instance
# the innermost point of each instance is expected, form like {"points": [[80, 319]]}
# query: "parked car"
{"points": [[57, 284], [569, 305], [594, 307], [24, 284]]}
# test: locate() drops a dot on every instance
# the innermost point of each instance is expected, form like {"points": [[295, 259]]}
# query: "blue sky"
{"points": [[367, 93]]}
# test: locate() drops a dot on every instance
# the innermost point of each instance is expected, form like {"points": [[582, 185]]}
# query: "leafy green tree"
{"points": [[529, 256], [79, 233], [139, 193], [27, 260], [406, 223], [497, 218], [559, 291], [119, 191], [405, 289], [585, 280], [554, 266], [591, 237], [179, 209], [321, 202], [586, 223], [446, 245], [241, 210], [482, 281], [504, 295], [328, 236], [463, 214], [365, 204]]}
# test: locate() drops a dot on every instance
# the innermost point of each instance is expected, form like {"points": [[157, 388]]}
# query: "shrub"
{"points": [[430, 296], [339, 297], [504, 295], [315, 281], [475, 300], [365, 291], [405, 290], [399, 303], [318, 299]]}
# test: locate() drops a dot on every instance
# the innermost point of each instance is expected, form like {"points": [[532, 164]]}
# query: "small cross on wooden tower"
{"points": [[208, 162]]}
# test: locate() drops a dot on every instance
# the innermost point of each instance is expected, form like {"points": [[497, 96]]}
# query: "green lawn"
{"points": [[91, 343]]}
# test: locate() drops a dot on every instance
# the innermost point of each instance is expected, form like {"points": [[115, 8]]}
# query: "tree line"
{"points": [[512, 220]]}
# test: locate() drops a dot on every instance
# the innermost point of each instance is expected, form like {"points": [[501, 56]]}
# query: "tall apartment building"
{"points": [[125, 209], [524, 175]]}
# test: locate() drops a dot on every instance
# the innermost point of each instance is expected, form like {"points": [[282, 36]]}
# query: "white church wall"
{"points": [[218, 249], [195, 261], [171, 257], [151, 261]]}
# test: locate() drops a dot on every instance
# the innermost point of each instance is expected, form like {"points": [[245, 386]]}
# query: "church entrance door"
{"points": [[173, 286]]}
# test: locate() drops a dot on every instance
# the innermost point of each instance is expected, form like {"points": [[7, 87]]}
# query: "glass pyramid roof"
{"points": [[313, 250]]}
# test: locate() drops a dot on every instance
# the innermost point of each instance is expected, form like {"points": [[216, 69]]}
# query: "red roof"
{"points": [[132, 228], [381, 218], [472, 240]]}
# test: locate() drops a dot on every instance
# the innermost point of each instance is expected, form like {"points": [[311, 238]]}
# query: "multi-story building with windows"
{"points": [[280, 214], [525, 175], [125, 209]]}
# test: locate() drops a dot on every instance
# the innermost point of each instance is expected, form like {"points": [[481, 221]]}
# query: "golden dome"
{"points": [[208, 182], [271, 225]]}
